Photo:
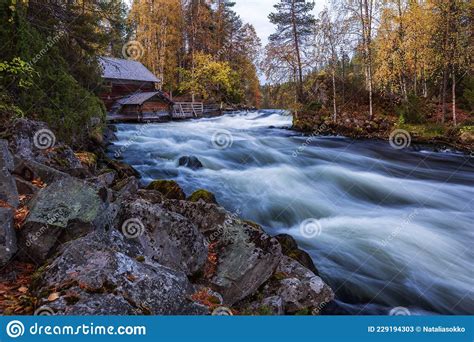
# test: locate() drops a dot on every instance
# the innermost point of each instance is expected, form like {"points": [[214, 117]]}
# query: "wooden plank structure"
{"points": [[130, 95]]}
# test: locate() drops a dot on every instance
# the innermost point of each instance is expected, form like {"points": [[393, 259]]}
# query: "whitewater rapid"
{"points": [[386, 228]]}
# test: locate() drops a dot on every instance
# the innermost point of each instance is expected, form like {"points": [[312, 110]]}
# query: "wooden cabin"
{"points": [[130, 89]]}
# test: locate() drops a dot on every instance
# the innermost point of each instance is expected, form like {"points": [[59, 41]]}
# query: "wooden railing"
{"points": [[186, 110]]}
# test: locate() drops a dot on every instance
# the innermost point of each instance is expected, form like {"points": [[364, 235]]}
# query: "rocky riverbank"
{"points": [[386, 128], [80, 236]]}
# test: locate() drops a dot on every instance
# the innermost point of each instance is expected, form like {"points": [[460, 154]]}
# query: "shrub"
{"points": [[413, 110]]}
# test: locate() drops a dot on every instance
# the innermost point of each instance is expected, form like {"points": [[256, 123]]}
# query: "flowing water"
{"points": [[386, 228]]}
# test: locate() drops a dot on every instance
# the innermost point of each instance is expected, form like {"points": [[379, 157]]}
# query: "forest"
{"points": [[400, 61], [49, 70]]}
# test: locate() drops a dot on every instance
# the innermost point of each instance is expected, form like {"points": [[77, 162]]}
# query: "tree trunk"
{"points": [[444, 90], [298, 55], [454, 97], [334, 94]]}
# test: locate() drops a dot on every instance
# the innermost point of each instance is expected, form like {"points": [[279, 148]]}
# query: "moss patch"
{"points": [[204, 195], [170, 189]]}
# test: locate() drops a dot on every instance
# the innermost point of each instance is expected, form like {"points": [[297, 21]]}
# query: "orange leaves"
{"points": [[204, 297], [212, 260], [38, 183], [53, 296], [15, 297], [20, 216], [4, 204]]}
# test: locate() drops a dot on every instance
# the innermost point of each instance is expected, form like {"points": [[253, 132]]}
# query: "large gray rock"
{"points": [[62, 211], [33, 140], [167, 237], [100, 275], [246, 256], [8, 246], [208, 217], [29, 170], [300, 290], [8, 190]]}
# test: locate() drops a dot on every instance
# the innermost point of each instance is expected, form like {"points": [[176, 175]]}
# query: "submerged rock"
{"points": [[99, 275], [191, 162], [8, 246], [169, 188], [202, 195]]}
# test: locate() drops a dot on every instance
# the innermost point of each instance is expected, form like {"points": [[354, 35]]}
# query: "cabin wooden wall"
{"points": [[116, 89]]}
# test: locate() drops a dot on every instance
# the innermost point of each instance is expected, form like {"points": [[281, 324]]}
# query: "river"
{"points": [[387, 228]]}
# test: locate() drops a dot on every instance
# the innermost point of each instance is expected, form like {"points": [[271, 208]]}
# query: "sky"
{"points": [[256, 13]]}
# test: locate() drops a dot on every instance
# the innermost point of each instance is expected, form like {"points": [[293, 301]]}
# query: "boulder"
{"points": [[169, 188], [207, 217], [202, 195], [8, 246], [190, 162], [8, 189], [6, 157], [245, 258], [23, 132], [107, 178], [300, 289], [289, 247], [33, 140], [167, 237], [24, 187], [30, 170], [126, 187], [64, 210], [123, 170], [99, 275]]}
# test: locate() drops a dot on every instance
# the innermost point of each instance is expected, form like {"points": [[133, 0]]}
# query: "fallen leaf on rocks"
{"points": [[38, 183], [53, 296], [20, 216]]}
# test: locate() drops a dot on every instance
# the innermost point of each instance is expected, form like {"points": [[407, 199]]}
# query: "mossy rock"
{"points": [[87, 158], [204, 195], [169, 188]]}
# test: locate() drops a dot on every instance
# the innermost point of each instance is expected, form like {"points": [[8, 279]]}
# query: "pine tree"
{"points": [[295, 24]]}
